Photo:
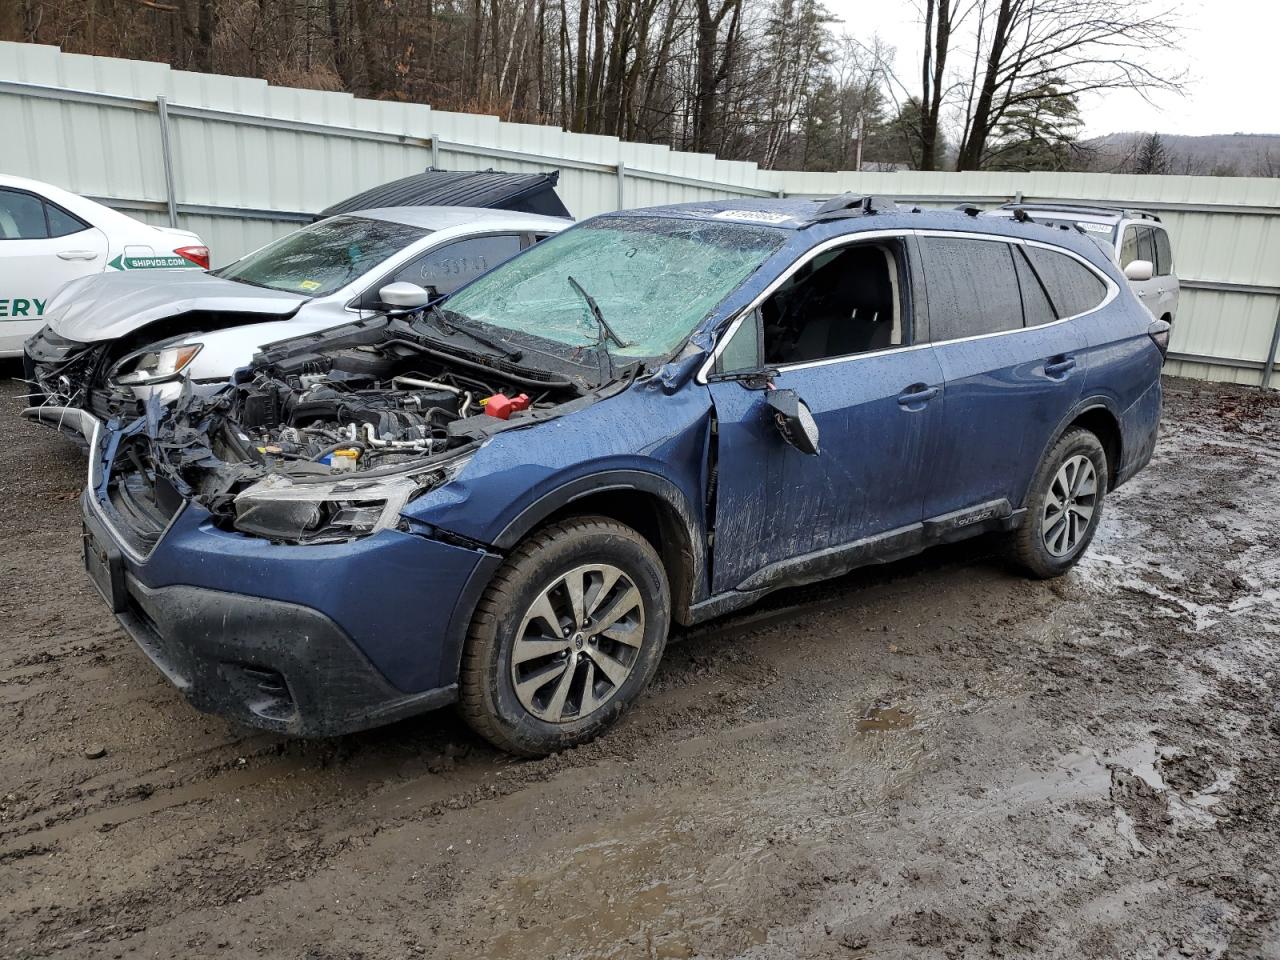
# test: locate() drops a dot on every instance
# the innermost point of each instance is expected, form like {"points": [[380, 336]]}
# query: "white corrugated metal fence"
{"points": [[241, 162]]}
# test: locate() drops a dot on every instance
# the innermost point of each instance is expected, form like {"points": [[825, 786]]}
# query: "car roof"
{"points": [[799, 216], [442, 218], [521, 192], [98, 214]]}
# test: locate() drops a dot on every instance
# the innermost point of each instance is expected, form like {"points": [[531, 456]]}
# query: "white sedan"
{"points": [[112, 341], [49, 236]]}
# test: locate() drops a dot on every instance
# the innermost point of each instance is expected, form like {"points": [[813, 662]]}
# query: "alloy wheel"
{"points": [[1069, 505], [577, 643]]}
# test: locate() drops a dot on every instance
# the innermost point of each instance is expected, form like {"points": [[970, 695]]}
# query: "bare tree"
{"points": [[1070, 46]]}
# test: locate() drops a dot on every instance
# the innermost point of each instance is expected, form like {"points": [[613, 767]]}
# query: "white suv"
{"points": [[1139, 245]]}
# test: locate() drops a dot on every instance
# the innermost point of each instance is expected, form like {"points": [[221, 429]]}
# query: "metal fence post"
{"points": [[435, 151], [1271, 354], [166, 153], [622, 185]]}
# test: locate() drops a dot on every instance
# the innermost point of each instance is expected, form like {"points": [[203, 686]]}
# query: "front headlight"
{"points": [[281, 509], [154, 365]]}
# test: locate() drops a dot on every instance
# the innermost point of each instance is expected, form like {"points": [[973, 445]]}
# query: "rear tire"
{"points": [[1064, 507], [533, 687]]}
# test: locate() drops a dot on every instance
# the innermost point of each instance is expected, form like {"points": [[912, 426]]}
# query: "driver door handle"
{"points": [[78, 254]]}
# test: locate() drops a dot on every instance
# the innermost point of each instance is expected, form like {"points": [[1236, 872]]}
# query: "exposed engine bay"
{"points": [[326, 438]]}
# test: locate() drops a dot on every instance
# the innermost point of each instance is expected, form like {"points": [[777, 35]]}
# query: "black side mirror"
{"points": [[794, 420]]}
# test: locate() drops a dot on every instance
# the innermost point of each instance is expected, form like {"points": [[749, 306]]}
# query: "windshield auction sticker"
{"points": [[149, 263], [752, 216]]}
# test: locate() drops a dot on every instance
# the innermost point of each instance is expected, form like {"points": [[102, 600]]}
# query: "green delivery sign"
{"points": [[21, 308], [149, 263]]}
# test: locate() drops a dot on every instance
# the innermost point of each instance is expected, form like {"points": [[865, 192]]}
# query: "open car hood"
{"points": [[109, 305]]}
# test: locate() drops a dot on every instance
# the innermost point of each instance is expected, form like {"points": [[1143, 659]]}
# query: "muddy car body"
{"points": [[720, 400]]}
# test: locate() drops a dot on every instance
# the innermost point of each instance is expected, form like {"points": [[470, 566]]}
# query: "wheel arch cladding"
{"points": [[1102, 422], [647, 503]]}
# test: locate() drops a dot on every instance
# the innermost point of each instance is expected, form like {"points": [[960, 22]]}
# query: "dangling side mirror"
{"points": [[794, 420]]}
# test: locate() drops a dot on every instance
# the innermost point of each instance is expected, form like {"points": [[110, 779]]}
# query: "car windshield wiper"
{"points": [[605, 329], [438, 316]]}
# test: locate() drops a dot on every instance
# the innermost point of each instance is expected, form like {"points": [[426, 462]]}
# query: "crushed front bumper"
{"points": [[305, 640]]}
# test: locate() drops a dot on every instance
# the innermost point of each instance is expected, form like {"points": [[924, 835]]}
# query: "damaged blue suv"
{"points": [[654, 418]]}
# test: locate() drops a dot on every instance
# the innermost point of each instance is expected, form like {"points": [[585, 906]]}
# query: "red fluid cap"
{"points": [[502, 406]]}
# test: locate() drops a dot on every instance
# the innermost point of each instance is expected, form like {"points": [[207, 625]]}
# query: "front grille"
{"points": [[142, 501]]}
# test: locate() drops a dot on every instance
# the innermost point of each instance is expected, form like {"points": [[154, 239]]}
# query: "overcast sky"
{"points": [[1231, 48]]}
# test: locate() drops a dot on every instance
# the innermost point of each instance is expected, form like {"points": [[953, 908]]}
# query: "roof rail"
{"points": [[850, 205], [1132, 213]]}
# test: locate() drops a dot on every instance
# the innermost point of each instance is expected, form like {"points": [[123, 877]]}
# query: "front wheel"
{"points": [[567, 635], [1065, 505]]}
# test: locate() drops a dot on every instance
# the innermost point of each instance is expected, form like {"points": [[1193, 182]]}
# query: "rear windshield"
{"points": [[654, 280], [323, 257]]}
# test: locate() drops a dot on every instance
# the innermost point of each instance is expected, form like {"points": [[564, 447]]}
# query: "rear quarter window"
{"points": [[1072, 287], [971, 286], [1164, 253], [62, 223], [1035, 302]]}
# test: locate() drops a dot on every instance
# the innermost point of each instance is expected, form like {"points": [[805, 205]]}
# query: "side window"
{"points": [[21, 216], [445, 269], [61, 223], [1146, 245], [449, 267], [742, 352], [972, 287], [1129, 248], [1036, 308], [842, 302], [1073, 288], [1164, 253]]}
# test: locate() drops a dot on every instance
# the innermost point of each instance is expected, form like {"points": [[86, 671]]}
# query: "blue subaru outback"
{"points": [[654, 418]]}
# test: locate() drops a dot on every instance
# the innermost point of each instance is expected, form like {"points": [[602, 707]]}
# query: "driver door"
{"points": [[782, 515]]}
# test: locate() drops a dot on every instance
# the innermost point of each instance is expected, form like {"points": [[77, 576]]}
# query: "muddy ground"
{"points": [[936, 758]]}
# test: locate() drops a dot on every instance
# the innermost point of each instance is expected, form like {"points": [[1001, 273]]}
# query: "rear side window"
{"points": [[1146, 245], [61, 223], [972, 287], [1129, 249], [1164, 254], [21, 216], [1073, 288], [1036, 307]]}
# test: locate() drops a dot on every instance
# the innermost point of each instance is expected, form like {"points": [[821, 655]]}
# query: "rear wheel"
{"points": [[569, 633], [1065, 505]]}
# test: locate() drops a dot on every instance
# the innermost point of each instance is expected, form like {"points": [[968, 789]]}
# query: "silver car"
{"points": [[1138, 242], [112, 340]]}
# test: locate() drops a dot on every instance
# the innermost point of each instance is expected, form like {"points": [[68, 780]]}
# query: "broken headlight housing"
{"points": [[154, 364], [284, 510]]}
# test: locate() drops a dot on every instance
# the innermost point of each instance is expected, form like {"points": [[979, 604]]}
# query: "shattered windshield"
{"points": [[323, 257], [652, 280]]}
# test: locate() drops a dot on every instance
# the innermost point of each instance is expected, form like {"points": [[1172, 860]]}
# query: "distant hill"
{"points": [[1223, 154]]}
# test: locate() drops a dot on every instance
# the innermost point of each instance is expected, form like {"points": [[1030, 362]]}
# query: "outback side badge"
{"points": [[794, 420]]}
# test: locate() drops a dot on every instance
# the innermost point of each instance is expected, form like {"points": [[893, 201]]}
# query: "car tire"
{"points": [[522, 700], [1071, 482]]}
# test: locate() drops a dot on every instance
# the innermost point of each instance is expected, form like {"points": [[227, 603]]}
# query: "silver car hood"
{"points": [[109, 305]]}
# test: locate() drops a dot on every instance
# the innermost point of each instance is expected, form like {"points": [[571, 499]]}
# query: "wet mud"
{"points": [[935, 758]]}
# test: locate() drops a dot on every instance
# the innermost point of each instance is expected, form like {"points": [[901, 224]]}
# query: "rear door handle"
{"points": [[1059, 368], [78, 254], [917, 395]]}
